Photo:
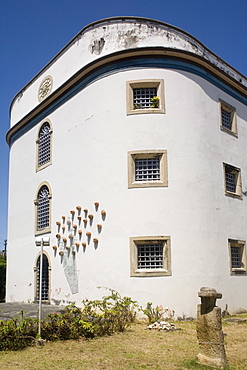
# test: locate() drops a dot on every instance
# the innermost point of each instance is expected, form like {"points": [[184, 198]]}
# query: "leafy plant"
{"points": [[155, 102], [153, 314], [98, 317], [17, 333], [111, 314], [2, 278], [68, 325]]}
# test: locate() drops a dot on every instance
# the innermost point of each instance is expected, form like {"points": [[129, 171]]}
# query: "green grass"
{"points": [[136, 348]]}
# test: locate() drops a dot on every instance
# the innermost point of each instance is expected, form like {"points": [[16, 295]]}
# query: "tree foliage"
{"points": [[2, 278]]}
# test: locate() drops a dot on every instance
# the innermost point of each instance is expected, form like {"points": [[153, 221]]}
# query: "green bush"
{"points": [[65, 326], [112, 313], [17, 333], [2, 278]]}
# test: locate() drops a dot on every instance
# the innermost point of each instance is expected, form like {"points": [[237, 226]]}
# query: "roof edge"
{"points": [[112, 20]]}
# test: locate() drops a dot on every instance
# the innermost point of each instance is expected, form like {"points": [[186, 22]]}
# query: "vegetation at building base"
{"points": [[111, 314], [17, 333], [133, 349], [2, 278]]}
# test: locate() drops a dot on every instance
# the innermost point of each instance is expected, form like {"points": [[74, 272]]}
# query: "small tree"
{"points": [[2, 278]]}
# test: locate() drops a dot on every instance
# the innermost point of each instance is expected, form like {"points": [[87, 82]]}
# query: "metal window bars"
{"points": [[231, 181], [226, 119], [43, 208], [147, 169], [150, 256], [45, 279], [44, 152], [236, 257], [143, 96]]}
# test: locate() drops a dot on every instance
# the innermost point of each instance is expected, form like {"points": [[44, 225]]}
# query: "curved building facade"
{"points": [[128, 156]]}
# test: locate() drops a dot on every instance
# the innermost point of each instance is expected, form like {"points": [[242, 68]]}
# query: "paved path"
{"points": [[12, 309]]}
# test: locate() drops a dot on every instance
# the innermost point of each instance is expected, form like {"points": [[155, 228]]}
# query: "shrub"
{"points": [[98, 317], [68, 325], [2, 278], [111, 314], [17, 333]]}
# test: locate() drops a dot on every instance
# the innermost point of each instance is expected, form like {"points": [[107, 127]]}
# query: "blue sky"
{"points": [[33, 31]]}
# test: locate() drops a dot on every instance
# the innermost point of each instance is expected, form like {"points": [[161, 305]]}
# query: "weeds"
{"points": [[157, 313]]}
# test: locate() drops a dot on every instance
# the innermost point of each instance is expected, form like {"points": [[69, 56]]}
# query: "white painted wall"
{"points": [[118, 35], [91, 137]]}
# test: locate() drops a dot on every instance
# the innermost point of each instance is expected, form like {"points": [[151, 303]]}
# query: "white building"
{"points": [[128, 150]]}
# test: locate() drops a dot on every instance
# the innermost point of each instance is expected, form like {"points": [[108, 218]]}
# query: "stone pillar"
{"points": [[209, 330]]}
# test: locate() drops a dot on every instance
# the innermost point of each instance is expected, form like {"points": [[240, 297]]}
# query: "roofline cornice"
{"points": [[131, 54], [119, 19]]}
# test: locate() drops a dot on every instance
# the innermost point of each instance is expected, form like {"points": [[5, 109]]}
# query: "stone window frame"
{"points": [[137, 154], [39, 168], [36, 201], [241, 244], [233, 117], [130, 85], [140, 240], [35, 269], [236, 171]]}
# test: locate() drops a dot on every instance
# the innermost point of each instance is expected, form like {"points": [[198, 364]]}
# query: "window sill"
{"points": [[146, 111], [239, 272], [147, 184], [43, 166], [150, 272], [230, 132], [233, 195], [43, 231]]}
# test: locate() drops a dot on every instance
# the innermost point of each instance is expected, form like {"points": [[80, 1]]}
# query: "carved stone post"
{"points": [[209, 330]]}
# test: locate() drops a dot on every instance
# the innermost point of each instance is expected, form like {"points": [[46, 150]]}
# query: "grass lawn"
{"points": [[136, 348]]}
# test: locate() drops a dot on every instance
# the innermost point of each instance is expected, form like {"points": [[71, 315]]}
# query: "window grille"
{"points": [[143, 96], [226, 119], [150, 256], [236, 257], [43, 208], [147, 169], [231, 180], [44, 152], [45, 279]]}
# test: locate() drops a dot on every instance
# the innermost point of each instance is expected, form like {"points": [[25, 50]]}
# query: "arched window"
{"points": [[42, 214], [44, 145], [45, 288]]}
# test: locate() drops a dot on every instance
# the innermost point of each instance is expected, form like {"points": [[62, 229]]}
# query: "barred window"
{"points": [[147, 169], [45, 279], [43, 208], [44, 151], [228, 118], [237, 252], [150, 256], [231, 177], [233, 184], [143, 97], [235, 257]]}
